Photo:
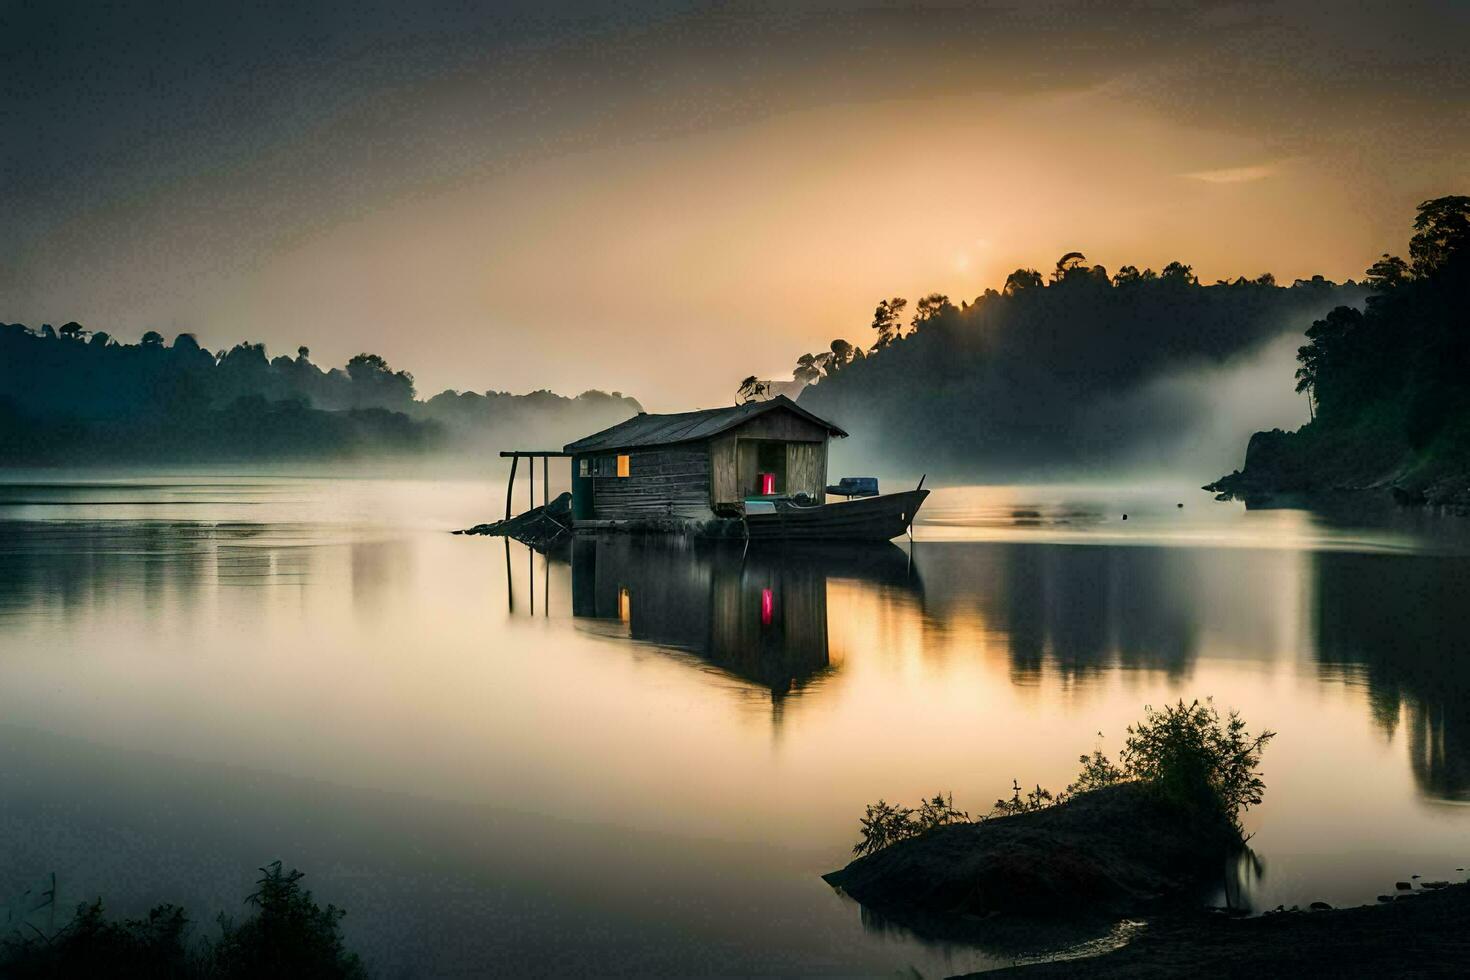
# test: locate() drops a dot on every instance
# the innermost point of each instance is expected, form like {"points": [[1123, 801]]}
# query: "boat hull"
{"points": [[879, 518]]}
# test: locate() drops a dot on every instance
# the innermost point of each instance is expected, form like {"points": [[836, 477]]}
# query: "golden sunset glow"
{"points": [[649, 184]]}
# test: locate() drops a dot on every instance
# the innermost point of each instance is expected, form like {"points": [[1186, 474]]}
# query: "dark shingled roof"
{"points": [[661, 430]]}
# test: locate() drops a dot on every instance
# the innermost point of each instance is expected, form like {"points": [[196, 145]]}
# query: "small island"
{"points": [[1119, 868]]}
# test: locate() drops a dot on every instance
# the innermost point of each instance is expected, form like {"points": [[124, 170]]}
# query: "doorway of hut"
{"points": [[762, 467]]}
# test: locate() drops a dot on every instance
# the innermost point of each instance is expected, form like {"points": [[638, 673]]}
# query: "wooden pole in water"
{"points": [[511, 484], [531, 497], [545, 481], [510, 585]]}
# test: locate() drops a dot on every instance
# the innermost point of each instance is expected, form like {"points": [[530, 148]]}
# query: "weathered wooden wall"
{"points": [[672, 482], [806, 457], [806, 464], [783, 425], [724, 470], [686, 481]]}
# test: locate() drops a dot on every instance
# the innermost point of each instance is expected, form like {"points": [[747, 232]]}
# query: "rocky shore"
{"points": [[1100, 855], [1114, 882], [1317, 460], [1421, 933]]}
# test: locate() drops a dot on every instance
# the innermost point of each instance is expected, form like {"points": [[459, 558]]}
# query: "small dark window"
{"points": [[602, 466]]}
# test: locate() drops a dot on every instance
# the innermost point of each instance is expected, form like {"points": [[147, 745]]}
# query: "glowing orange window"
{"points": [[624, 463]]}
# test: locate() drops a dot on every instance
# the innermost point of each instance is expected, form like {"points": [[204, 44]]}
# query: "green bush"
{"points": [[288, 936], [1194, 758], [90, 946], [1186, 753], [1036, 799], [885, 824], [1097, 771]]}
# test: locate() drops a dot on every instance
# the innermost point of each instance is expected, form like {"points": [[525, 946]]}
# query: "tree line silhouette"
{"points": [[1406, 353], [72, 395], [1387, 382], [1049, 370]]}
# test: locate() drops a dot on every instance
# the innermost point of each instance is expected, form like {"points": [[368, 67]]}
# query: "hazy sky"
{"points": [[663, 198]]}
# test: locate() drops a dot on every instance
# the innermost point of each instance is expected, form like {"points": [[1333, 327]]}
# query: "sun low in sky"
{"points": [[663, 200]]}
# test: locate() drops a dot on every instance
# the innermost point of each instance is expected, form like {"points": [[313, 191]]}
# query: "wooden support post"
{"points": [[510, 582], [545, 481], [511, 484], [531, 494]]}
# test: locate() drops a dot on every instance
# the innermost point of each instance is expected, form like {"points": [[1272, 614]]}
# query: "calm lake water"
{"points": [[637, 756]]}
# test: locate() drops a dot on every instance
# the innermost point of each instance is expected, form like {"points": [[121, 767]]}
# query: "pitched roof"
{"points": [[660, 430]]}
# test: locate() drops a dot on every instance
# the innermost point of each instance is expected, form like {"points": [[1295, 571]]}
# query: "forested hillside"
{"points": [[1390, 383], [72, 396], [1053, 374]]}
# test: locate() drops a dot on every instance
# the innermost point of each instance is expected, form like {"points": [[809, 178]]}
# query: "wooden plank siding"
{"points": [[804, 466], [672, 482], [724, 469], [785, 426], [689, 479]]}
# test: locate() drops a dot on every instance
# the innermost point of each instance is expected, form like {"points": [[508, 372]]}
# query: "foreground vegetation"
{"points": [[1387, 383], [287, 935]]}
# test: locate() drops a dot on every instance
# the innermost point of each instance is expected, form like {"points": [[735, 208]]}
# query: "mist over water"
{"points": [[1186, 426], [1203, 417], [1073, 378]]}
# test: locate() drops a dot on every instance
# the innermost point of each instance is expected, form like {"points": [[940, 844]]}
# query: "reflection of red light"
{"points": [[768, 606], [768, 484]]}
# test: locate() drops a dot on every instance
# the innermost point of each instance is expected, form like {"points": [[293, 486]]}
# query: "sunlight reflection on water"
{"points": [[641, 753]]}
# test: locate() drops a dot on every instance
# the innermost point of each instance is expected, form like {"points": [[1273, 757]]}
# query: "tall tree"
{"points": [[1022, 280], [1389, 271], [930, 307], [1069, 264], [1441, 231], [1179, 272], [887, 320]]}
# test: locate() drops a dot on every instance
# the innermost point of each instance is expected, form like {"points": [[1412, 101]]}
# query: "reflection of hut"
{"points": [[689, 464], [768, 621], [760, 618]]}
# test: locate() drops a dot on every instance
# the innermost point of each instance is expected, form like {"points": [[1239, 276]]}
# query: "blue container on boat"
{"points": [[855, 486]]}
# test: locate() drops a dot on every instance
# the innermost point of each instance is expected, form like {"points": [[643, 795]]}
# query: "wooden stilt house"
{"points": [[690, 465]]}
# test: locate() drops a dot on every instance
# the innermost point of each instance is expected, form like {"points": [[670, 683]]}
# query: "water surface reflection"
{"points": [[757, 613], [1400, 630], [653, 768]]}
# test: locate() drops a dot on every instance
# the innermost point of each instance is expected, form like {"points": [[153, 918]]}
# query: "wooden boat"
{"points": [[880, 518]]}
